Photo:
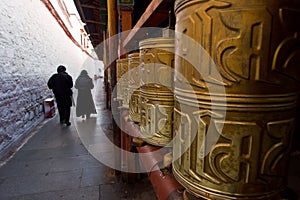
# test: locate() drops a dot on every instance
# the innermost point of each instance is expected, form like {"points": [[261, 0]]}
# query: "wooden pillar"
{"points": [[112, 55], [127, 160], [125, 19]]}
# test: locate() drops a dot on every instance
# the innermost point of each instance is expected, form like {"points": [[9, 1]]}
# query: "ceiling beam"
{"points": [[93, 7], [83, 10], [82, 14], [94, 22], [94, 34], [144, 18]]}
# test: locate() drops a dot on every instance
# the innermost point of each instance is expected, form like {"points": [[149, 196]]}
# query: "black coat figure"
{"points": [[85, 103], [61, 84]]}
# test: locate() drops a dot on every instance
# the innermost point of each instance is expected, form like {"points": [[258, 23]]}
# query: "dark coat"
{"points": [[85, 103], [61, 84]]}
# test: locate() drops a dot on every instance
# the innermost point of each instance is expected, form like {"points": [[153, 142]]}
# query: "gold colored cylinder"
{"points": [[134, 87], [157, 64], [252, 44], [122, 81]]}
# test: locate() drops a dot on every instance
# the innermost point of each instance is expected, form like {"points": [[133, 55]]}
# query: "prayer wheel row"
{"points": [[122, 81], [146, 88]]}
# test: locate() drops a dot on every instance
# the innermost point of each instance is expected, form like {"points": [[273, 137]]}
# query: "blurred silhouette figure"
{"points": [[85, 103], [61, 85]]}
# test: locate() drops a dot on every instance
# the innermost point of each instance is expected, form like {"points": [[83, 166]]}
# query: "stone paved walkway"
{"points": [[55, 163]]}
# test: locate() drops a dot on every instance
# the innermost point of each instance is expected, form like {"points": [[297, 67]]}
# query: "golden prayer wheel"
{"points": [[134, 87], [157, 64], [122, 81], [239, 138]]}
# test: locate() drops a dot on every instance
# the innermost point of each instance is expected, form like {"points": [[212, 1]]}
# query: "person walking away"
{"points": [[61, 85], [85, 103]]}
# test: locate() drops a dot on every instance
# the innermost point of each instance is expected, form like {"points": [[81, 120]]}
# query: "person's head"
{"points": [[83, 72], [61, 68]]}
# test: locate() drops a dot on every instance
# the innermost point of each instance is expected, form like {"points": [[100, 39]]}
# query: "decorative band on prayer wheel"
{"points": [[240, 139], [157, 97], [134, 87]]}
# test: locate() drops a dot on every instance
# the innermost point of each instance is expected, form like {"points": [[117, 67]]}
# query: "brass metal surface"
{"points": [[157, 99], [255, 48], [134, 87], [119, 75], [122, 81]]}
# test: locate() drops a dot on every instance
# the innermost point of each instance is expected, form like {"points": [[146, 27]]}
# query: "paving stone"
{"points": [[97, 176], [26, 168], [86, 193], [32, 184], [71, 163], [108, 192]]}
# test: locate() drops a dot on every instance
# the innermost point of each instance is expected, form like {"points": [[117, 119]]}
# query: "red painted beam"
{"points": [[166, 187]]}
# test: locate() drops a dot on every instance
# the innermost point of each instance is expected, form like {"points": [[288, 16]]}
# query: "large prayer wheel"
{"points": [[157, 64], [241, 137], [134, 87]]}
